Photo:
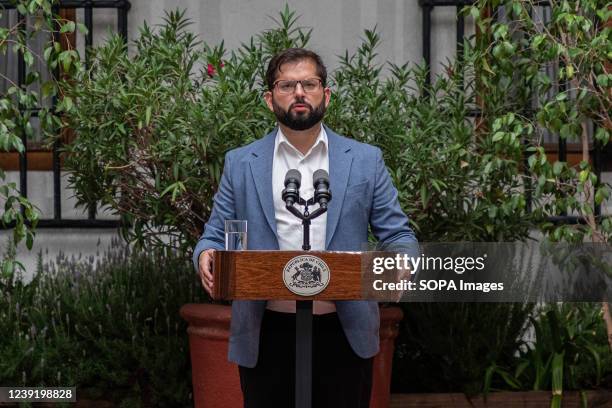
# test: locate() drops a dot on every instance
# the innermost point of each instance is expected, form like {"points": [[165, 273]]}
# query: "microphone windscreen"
{"points": [[295, 175], [320, 175]]}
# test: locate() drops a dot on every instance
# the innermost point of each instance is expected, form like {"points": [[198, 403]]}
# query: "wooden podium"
{"points": [[263, 275], [257, 275]]}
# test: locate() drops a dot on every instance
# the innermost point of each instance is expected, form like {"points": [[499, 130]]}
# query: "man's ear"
{"points": [[327, 93], [268, 98]]}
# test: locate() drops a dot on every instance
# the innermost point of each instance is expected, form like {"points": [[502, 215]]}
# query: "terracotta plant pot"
{"points": [[215, 380]]}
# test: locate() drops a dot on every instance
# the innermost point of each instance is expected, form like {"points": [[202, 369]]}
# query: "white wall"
{"points": [[337, 25]]}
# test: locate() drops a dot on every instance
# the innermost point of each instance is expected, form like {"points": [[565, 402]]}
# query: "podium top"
{"points": [[281, 275]]}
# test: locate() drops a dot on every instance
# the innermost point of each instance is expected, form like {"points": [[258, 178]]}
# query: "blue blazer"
{"points": [[363, 194]]}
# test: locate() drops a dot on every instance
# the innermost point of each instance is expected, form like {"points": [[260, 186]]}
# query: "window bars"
{"points": [[122, 7]]}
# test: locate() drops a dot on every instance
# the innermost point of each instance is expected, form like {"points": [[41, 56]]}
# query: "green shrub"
{"points": [[111, 329], [153, 128], [448, 347], [568, 351]]}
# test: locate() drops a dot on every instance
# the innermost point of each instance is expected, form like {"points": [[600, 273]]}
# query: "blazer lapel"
{"points": [[261, 170], [339, 169]]}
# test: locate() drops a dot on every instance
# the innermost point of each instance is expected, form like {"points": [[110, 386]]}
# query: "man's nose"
{"points": [[299, 90]]}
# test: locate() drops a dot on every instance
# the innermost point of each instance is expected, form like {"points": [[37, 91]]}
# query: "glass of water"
{"points": [[235, 235]]}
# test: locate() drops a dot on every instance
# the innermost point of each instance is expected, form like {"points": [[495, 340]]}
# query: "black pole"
{"points": [[57, 189], [426, 27], [303, 354], [23, 156], [460, 33], [88, 14], [597, 168], [306, 227], [123, 7]]}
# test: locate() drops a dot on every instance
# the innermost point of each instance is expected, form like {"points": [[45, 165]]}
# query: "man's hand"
{"points": [[205, 269]]}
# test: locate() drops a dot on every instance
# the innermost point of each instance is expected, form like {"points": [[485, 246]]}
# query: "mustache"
{"points": [[300, 101]]}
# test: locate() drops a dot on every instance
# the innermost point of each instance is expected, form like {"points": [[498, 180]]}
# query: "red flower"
{"points": [[210, 69]]}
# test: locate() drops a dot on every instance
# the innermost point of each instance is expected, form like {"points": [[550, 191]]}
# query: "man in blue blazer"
{"points": [[345, 333]]}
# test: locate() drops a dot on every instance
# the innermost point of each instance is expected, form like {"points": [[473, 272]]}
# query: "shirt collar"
{"points": [[281, 139]]}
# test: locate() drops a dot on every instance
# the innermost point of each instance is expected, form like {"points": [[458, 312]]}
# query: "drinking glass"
{"points": [[235, 235]]}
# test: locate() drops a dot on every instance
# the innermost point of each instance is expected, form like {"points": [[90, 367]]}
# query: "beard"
{"points": [[301, 120]]}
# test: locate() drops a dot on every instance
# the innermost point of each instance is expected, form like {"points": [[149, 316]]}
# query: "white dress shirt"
{"points": [[288, 227]]}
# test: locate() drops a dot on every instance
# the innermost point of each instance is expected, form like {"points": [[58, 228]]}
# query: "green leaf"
{"points": [[28, 58], [29, 240], [603, 80], [148, 116], [82, 28], [566, 131], [67, 27], [168, 189], [602, 135], [498, 136], [501, 31], [488, 377], [48, 89], [8, 268], [424, 195], [597, 359], [557, 373], [601, 194], [532, 161], [67, 101], [475, 12], [537, 40], [509, 380]]}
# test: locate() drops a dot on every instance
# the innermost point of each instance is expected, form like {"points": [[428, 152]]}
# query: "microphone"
{"points": [[291, 193], [322, 194]]}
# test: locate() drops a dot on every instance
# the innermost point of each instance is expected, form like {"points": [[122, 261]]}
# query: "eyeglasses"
{"points": [[286, 87]]}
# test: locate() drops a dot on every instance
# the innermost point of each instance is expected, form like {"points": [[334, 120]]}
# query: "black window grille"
{"points": [[597, 152], [122, 7]]}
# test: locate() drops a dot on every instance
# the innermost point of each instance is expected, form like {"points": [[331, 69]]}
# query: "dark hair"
{"points": [[294, 55]]}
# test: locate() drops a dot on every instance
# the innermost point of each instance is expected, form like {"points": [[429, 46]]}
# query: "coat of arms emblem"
{"points": [[306, 275]]}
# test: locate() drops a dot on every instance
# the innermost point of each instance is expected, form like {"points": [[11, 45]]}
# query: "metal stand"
{"points": [[303, 354], [303, 319]]}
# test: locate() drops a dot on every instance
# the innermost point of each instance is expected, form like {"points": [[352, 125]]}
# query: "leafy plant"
{"points": [[515, 79], [153, 127], [109, 327], [519, 54], [20, 101], [448, 347], [454, 182], [568, 352]]}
